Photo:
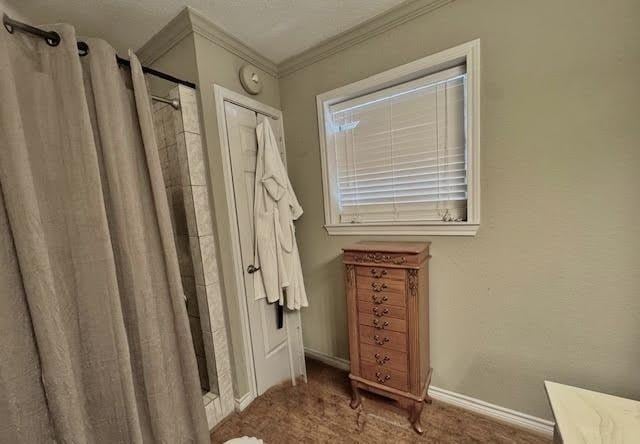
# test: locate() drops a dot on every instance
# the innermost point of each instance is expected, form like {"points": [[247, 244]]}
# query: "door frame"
{"points": [[222, 95]]}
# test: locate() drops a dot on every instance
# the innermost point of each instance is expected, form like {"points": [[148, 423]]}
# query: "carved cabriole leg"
{"points": [[427, 398], [355, 395], [352, 316], [416, 412]]}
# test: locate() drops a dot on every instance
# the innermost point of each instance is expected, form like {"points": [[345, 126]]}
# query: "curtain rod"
{"points": [[53, 39]]}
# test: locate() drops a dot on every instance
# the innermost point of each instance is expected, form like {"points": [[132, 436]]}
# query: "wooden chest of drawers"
{"points": [[387, 288]]}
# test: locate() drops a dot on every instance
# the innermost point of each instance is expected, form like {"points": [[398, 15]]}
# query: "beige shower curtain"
{"points": [[94, 339]]}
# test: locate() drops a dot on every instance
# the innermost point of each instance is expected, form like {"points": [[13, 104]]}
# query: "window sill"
{"points": [[435, 229]]}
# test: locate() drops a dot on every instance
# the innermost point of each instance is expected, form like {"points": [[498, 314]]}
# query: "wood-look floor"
{"points": [[319, 412]]}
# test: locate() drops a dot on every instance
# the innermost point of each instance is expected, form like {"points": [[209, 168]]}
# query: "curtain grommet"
{"points": [[54, 40]]}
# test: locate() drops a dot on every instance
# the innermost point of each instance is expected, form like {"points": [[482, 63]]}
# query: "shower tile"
{"points": [[183, 160], [190, 292], [189, 107], [190, 213], [178, 208], [189, 287], [222, 349], [170, 190], [209, 263], [211, 354], [159, 127], [208, 398], [168, 117], [202, 372], [173, 94], [211, 308], [218, 409], [201, 207], [225, 389], [215, 308], [198, 273], [203, 308], [185, 260], [196, 334], [172, 178], [192, 306], [177, 118], [223, 369], [164, 162], [195, 158], [212, 418]]}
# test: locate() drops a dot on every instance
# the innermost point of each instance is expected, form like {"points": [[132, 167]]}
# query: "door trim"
{"points": [[222, 95]]}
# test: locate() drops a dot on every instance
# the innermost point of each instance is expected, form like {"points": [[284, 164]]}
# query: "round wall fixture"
{"points": [[250, 79]]}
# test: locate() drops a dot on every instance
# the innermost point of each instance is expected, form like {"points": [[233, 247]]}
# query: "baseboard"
{"points": [[342, 364], [502, 414], [243, 402]]}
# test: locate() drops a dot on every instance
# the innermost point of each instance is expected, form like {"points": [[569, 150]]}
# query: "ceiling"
{"points": [[276, 29]]}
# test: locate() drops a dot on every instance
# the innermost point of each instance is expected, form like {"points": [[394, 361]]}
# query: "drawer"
{"points": [[381, 298], [384, 376], [381, 310], [383, 338], [381, 272], [384, 358], [383, 323], [379, 285]]}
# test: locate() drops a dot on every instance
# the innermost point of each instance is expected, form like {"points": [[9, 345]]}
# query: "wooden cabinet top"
{"points": [[389, 247]]}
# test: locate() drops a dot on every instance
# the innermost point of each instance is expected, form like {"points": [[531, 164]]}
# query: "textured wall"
{"points": [[549, 288]]}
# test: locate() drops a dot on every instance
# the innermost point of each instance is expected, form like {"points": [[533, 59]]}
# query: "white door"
{"points": [[278, 354]]}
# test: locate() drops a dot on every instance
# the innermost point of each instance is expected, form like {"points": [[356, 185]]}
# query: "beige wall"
{"points": [[12, 11], [179, 61], [216, 65], [550, 287]]}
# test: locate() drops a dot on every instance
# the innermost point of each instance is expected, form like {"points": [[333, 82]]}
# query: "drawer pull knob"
{"points": [[378, 313], [377, 324], [382, 379], [378, 273], [378, 286], [377, 300], [382, 361], [379, 341]]}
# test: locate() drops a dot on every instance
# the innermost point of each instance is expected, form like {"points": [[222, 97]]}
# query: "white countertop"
{"points": [[586, 417]]}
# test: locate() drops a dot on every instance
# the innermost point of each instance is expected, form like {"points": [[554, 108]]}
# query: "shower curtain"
{"points": [[95, 345]]}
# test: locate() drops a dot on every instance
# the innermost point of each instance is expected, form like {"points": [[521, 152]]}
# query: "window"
{"points": [[400, 149]]}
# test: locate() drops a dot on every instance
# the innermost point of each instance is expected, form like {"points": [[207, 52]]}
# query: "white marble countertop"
{"points": [[584, 416]]}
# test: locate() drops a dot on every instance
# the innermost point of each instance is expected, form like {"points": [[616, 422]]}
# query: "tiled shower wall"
{"points": [[165, 124], [184, 171]]}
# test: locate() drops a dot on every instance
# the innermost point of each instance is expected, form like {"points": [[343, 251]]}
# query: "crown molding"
{"points": [[204, 27], [165, 39], [190, 21], [377, 25]]}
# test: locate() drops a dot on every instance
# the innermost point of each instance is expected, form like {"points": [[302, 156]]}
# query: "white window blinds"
{"points": [[401, 152]]}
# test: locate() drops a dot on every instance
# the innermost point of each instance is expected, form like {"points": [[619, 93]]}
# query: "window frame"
{"points": [[467, 53]]}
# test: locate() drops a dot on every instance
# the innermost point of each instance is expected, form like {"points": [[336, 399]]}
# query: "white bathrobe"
{"points": [[275, 208]]}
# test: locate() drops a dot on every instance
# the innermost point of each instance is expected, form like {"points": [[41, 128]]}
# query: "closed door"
{"points": [[278, 354]]}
